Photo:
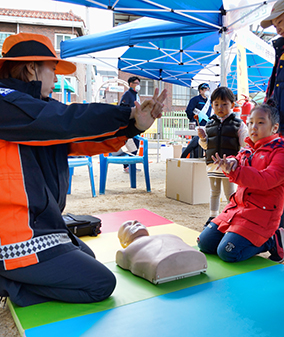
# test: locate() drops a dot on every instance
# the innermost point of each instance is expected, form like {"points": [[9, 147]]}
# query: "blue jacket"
{"points": [[197, 102], [36, 136], [128, 98]]}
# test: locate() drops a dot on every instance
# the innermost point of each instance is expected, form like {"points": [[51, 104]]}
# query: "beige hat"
{"points": [[276, 11]]}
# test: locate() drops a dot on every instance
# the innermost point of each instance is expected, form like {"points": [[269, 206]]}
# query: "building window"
{"points": [[182, 95], [73, 81], [2, 39], [62, 37], [108, 78], [147, 88]]}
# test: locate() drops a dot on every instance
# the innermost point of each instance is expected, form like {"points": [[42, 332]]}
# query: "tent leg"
{"points": [[223, 75], [159, 128]]}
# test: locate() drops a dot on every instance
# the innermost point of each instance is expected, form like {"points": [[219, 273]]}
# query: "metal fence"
{"points": [[170, 122]]}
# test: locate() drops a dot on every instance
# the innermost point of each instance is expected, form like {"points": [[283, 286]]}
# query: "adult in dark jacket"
{"points": [[40, 260], [128, 99], [195, 106], [275, 88], [131, 95]]}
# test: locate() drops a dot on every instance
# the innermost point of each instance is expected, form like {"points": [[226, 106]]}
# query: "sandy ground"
{"points": [[120, 197]]}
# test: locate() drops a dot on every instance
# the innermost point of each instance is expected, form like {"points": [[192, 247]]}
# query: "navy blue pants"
{"points": [[193, 148], [75, 277], [230, 247]]}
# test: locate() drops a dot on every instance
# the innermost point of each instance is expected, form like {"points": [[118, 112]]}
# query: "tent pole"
{"points": [[223, 69], [89, 67], [62, 88], [159, 128], [223, 61]]}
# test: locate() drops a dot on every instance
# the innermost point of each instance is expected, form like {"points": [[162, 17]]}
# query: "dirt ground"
{"points": [[120, 197]]}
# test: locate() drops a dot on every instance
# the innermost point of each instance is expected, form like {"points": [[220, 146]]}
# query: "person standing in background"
{"points": [[275, 86], [128, 99], [131, 95], [198, 104]]}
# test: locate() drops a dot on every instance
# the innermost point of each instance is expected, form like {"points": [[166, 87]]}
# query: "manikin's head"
{"points": [[131, 230]]}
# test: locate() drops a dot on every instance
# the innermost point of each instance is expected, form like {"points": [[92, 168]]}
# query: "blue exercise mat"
{"points": [[246, 305]]}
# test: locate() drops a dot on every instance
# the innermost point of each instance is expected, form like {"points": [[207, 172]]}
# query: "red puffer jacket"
{"points": [[255, 209]]}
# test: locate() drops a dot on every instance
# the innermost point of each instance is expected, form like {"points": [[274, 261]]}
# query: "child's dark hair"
{"points": [[223, 93], [270, 109]]}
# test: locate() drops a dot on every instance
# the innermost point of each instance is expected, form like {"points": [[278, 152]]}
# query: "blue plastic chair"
{"points": [[106, 159], [81, 161]]}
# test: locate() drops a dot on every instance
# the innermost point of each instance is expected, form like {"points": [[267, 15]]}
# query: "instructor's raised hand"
{"points": [[146, 113]]}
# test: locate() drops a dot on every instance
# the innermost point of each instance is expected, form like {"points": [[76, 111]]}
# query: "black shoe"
{"points": [[208, 221], [277, 253]]}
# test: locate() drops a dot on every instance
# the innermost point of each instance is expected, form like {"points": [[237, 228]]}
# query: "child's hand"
{"points": [[201, 132], [227, 165]]}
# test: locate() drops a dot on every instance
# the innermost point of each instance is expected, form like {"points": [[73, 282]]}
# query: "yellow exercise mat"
{"points": [[106, 245]]}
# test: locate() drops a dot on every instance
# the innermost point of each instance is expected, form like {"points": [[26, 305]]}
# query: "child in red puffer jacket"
{"points": [[248, 225]]}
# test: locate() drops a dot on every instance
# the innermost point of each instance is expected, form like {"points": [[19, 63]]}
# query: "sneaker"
{"points": [[208, 221], [3, 301], [277, 253], [126, 170]]}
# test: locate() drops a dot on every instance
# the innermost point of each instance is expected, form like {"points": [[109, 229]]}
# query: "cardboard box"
{"points": [[170, 151], [177, 150], [187, 181]]}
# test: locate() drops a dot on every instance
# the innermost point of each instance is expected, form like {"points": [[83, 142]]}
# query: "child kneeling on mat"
{"points": [[248, 225]]}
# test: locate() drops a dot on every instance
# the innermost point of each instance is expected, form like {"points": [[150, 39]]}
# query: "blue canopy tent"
{"points": [[259, 71], [175, 53], [208, 12], [176, 60], [193, 64], [220, 15], [142, 30], [188, 12], [174, 49]]}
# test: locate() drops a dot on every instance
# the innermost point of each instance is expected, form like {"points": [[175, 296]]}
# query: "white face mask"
{"points": [[137, 88], [207, 93]]}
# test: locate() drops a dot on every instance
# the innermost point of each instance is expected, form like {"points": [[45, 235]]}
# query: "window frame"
{"points": [[72, 36], [73, 81], [182, 99], [147, 87]]}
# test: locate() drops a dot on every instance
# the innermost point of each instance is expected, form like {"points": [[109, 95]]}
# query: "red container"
{"points": [[247, 106]]}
